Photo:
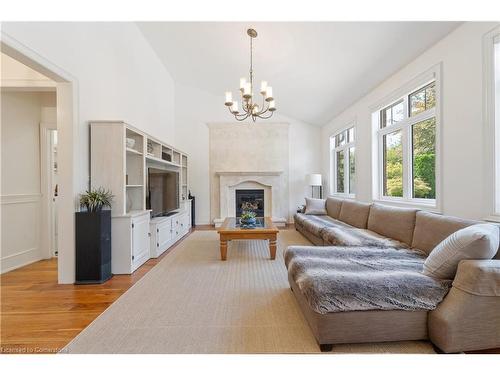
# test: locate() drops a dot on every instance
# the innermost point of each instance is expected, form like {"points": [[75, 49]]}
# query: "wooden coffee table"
{"points": [[231, 230]]}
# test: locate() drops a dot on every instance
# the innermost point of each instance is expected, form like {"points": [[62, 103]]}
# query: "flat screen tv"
{"points": [[163, 191]]}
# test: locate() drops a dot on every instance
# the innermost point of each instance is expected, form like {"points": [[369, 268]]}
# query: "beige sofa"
{"points": [[468, 318]]}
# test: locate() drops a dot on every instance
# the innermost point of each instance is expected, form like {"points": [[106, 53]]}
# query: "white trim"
{"points": [[408, 203], [492, 218], [492, 129], [68, 148], [20, 198], [431, 75], [22, 264]]}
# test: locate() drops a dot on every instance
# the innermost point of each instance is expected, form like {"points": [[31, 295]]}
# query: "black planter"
{"points": [[93, 247]]}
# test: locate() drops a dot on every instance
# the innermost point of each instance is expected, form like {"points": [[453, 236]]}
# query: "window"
{"points": [[343, 162], [406, 141]]}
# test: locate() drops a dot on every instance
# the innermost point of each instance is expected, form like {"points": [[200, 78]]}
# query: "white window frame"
{"points": [[492, 123], [333, 163], [405, 125]]}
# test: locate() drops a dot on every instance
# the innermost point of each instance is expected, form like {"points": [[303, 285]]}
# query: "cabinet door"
{"points": [[164, 234], [140, 237]]}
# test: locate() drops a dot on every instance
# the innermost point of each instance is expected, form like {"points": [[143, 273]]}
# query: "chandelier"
{"points": [[249, 107]]}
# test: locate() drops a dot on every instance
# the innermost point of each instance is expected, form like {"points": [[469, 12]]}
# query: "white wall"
{"points": [[119, 76], [195, 108], [462, 137], [20, 196]]}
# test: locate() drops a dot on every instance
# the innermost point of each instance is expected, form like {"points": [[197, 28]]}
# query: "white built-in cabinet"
{"points": [[165, 231], [122, 168]]}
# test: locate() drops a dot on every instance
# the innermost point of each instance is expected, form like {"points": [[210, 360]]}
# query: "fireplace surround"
{"points": [[272, 184]]}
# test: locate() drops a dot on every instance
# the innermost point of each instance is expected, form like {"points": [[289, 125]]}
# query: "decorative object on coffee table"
{"points": [[264, 229], [248, 219]]}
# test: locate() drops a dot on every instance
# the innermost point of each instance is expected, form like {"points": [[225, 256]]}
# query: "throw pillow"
{"points": [[479, 241], [315, 206]]}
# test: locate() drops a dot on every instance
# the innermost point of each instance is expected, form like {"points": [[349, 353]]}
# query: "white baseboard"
{"points": [[20, 259]]}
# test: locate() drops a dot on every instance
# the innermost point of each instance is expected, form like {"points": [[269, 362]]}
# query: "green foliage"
{"points": [[424, 161], [424, 175], [95, 199], [394, 171], [247, 215]]}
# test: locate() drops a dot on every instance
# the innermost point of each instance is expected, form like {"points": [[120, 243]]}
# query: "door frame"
{"points": [[68, 148], [46, 227]]}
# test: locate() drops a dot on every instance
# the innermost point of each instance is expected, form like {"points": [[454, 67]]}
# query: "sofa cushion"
{"points": [[478, 241], [392, 222], [431, 229], [315, 206], [333, 206], [355, 213]]}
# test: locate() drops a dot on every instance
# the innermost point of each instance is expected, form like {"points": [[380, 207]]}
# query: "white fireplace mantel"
{"points": [[275, 197]]}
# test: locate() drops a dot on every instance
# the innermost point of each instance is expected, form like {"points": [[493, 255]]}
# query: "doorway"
{"points": [[60, 237]]}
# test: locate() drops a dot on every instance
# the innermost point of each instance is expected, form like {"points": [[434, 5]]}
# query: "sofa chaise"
{"points": [[362, 281]]}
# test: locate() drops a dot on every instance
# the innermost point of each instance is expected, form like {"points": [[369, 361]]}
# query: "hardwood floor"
{"points": [[40, 316]]}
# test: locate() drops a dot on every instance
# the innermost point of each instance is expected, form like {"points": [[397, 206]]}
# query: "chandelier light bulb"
{"points": [[263, 87], [243, 82], [272, 106], [247, 90], [229, 98], [255, 109], [269, 94]]}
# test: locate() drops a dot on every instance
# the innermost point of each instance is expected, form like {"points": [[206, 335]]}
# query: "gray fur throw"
{"points": [[337, 233], [335, 279]]}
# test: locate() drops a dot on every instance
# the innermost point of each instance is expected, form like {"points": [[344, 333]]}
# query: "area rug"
{"points": [[192, 302]]}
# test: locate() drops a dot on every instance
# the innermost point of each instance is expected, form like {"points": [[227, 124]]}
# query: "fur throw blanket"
{"points": [[337, 233], [335, 279]]}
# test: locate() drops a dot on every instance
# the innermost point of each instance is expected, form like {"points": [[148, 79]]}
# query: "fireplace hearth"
{"points": [[254, 197]]}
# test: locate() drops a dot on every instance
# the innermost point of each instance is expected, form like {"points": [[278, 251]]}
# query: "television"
{"points": [[163, 191]]}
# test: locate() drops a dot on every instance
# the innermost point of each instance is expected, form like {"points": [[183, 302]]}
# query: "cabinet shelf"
{"points": [[158, 160], [132, 151]]}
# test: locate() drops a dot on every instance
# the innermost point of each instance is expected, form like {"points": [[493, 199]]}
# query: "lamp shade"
{"points": [[314, 179]]}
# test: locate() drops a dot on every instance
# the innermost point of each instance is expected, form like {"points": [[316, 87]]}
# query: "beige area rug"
{"points": [[191, 302]]}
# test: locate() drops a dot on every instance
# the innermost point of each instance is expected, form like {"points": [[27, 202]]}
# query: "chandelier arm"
{"points": [[266, 117], [264, 109], [241, 117], [237, 116]]}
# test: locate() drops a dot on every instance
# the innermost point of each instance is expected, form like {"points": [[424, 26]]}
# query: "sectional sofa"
{"points": [[363, 280]]}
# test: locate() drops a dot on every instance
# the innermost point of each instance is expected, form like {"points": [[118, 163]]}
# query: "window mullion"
{"points": [[346, 171], [404, 142]]}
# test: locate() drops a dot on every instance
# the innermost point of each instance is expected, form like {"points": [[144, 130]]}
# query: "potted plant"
{"points": [[248, 215], [248, 218], [93, 237]]}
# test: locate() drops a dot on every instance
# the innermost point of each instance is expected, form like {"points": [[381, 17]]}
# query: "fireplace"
{"points": [[253, 197]]}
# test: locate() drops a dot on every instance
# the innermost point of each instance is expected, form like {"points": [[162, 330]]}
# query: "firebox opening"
{"points": [[250, 197]]}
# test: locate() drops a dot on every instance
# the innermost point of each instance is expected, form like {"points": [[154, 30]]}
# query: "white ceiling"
{"points": [[316, 69]]}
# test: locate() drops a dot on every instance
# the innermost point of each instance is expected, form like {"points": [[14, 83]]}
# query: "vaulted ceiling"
{"points": [[316, 69]]}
